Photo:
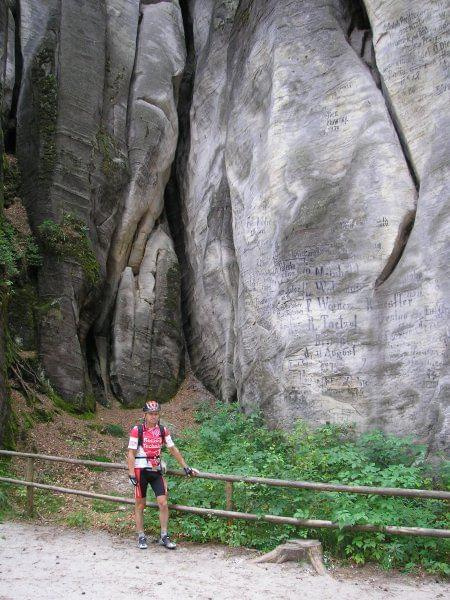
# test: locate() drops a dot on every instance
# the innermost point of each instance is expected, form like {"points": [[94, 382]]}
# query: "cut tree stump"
{"points": [[296, 550]]}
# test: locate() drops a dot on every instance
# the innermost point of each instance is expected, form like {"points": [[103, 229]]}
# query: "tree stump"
{"points": [[296, 550]]}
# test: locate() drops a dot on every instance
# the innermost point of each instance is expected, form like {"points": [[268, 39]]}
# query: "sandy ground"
{"points": [[46, 563]]}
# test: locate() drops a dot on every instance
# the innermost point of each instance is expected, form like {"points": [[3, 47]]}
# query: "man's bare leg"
{"points": [[139, 514], [164, 519], [163, 512]]}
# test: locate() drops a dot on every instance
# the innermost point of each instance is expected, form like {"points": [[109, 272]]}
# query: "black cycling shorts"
{"points": [[154, 478]]}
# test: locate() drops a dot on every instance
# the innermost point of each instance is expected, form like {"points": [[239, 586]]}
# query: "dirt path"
{"points": [[46, 563]]}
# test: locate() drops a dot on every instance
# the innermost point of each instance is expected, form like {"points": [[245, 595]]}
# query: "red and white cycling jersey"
{"points": [[148, 454]]}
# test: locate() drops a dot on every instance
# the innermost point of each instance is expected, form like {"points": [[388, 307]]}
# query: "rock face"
{"points": [[318, 148], [97, 131], [307, 207], [411, 48]]}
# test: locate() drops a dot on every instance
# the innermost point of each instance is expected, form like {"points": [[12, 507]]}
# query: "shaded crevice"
{"points": [[11, 117], [358, 18], [401, 137], [216, 375], [172, 196], [399, 247]]}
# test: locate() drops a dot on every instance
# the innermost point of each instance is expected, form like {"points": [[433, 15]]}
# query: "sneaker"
{"points": [[142, 542], [165, 540]]}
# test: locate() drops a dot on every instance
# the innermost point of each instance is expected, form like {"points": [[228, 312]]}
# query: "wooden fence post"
{"points": [[229, 495], [30, 491], [229, 498]]}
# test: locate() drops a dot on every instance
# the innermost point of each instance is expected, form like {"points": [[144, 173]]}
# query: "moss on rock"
{"points": [[45, 102], [69, 240]]}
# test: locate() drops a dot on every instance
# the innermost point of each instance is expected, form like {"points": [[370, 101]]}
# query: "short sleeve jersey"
{"points": [[148, 455]]}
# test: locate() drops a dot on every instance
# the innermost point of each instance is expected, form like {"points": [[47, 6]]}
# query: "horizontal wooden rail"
{"points": [[308, 485], [227, 514]]}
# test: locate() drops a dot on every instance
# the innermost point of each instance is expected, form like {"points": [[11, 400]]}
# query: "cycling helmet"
{"points": [[151, 406]]}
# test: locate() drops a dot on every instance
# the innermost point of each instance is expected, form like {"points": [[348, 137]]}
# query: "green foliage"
{"points": [[5, 505], [229, 442], [8, 253], [101, 506], [114, 163], [47, 502], [11, 429], [87, 415], [42, 415], [107, 147], [108, 429], [11, 179], [16, 253], [70, 240], [76, 408], [79, 518], [114, 430]]}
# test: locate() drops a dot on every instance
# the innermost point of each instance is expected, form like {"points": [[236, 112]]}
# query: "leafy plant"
{"points": [[47, 501], [79, 518], [11, 179], [227, 441], [5, 471], [102, 506], [16, 253], [113, 430]]}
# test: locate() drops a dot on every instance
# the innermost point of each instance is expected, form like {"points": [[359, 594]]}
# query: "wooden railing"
{"points": [[229, 480]]}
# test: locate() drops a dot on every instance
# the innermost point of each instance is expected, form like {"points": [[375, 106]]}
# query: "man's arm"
{"points": [[130, 461], [177, 455]]}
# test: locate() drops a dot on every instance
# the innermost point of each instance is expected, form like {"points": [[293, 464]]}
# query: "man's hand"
{"points": [[189, 471], [133, 480]]}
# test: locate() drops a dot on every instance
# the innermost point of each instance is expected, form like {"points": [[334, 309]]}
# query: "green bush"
{"points": [[229, 442], [113, 430], [16, 253], [11, 179], [5, 471], [108, 429]]}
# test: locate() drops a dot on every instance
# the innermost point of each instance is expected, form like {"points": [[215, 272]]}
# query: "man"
{"points": [[144, 467]]}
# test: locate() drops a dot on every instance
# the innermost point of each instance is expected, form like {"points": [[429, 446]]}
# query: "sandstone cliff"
{"points": [[312, 198], [96, 135], [286, 158]]}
